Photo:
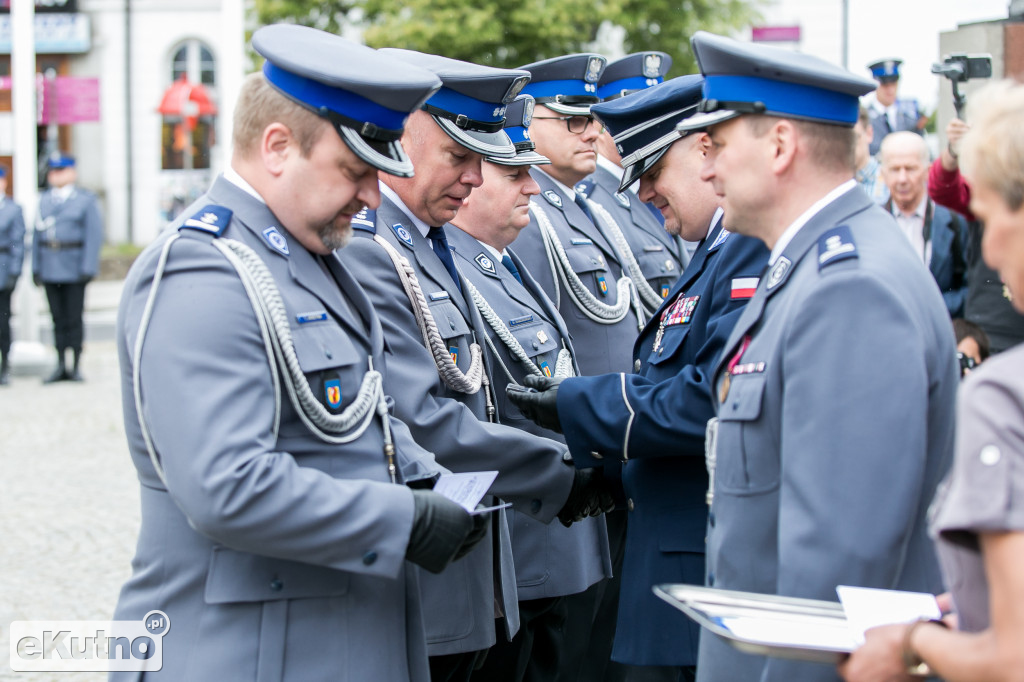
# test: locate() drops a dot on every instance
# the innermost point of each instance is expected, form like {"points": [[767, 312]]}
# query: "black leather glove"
{"points": [[589, 496], [537, 399], [442, 531]]}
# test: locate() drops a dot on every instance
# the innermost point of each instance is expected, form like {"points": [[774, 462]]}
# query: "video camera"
{"points": [[960, 68]]}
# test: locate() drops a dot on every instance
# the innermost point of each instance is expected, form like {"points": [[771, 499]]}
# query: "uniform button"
{"points": [[637, 365], [990, 455], [536, 345], [328, 353], [660, 350], [369, 558], [711, 579], [276, 585], [535, 506], [596, 455], [452, 323], [630, 505]]}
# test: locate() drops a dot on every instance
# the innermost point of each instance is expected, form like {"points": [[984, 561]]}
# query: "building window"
{"points": [[195, 61], [189, 109]]}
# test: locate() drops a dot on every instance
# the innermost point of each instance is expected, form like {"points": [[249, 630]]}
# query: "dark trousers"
{"points": [[67, 303], [534, 654], [661, 673], [454, 667], [590, 629], [5, 321]]}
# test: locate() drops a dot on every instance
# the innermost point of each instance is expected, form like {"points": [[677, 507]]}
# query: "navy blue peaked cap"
{"points": [[886, 70], [517, 126], [57, 161], [643, 124], [566, 85], [367, 96], [746, 78], [470, 106], [633, 72]]}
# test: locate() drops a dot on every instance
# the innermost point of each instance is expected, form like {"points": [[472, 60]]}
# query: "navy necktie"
{"points": [[511, 267], [440, 244], [581, 201]]}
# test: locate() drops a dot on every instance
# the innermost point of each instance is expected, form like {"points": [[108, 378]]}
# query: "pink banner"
{"points": [[70, 98], [776, 34]]}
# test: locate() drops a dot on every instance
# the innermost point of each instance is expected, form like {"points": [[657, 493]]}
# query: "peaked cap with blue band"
{"points": [[745, 78], [367, 96], [58, 161], [517, 126], [566, 85], [643, 124], [470, 106], [633, 72], [886, 70]]}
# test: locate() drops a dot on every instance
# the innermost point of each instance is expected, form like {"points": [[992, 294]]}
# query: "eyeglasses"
{"points": [[575, 124]]}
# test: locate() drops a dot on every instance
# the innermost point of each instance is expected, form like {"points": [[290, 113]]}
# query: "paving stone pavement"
{"points": [[69, 501]]}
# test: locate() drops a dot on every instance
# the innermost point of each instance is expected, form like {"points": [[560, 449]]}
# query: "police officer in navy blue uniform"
{"points": [[660, 255], [525, 335], [649, 425], [279, 522], [402, 257], [65, 257], [835, 391], [12, 254], [887, 112]]}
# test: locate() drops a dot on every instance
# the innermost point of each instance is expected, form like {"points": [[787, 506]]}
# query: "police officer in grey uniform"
{"points": [[526, 336], [836, 388], [12, 254], [661, 257], [275, 523], [65, 257], [434, 335], [887, 113], [569, 249]]}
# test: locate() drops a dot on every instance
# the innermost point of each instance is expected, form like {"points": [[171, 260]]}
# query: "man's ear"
{"points": [[784, 138], [275, 146]]}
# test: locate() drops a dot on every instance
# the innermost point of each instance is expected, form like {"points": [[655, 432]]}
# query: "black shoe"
{"points": [[59, 374], [5, 378], [74, 376]]}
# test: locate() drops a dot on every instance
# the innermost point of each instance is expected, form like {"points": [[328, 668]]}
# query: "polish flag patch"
{"points": [[743, 287]]}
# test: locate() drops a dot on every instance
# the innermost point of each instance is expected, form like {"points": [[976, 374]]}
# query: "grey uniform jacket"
{"points": [[661, 256], [460, 602], [12, 243], [276, 555], [68, 236], [601, 348], [550, 559], [836, 428]]}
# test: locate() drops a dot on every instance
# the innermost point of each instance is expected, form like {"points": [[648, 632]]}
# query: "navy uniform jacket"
{"points": [[550, 559], [880, 126], [836, 427], [12, 243], [460, 602], [276, 555], [652, 425], [69, 234], [661, 255], [600, 348]]}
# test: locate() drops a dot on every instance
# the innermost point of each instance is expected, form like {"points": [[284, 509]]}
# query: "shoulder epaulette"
{"points": [[585, 187], [835, 245], [212, 219], [365, 220]]}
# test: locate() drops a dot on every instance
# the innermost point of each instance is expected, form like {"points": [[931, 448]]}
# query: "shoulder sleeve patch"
{"points": [[835, 245], [365, 220], [211, 219]]}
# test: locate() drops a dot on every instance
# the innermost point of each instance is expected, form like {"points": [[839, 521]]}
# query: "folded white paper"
{"points": [[466, 489], [868, 607]]}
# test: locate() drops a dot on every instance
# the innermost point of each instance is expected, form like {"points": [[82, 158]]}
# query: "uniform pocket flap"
{"points": [[242, 577], [450, 323], [321, 346], [534, 339], [658, 264], [586, 258], [671, 342], [743, 402]]}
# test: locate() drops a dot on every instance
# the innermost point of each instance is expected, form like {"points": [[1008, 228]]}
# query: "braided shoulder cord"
{"points": [[652, 300], [563, 365], [453, 377], [578, 292]]}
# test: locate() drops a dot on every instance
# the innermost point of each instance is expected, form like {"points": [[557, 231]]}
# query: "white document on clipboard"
{"points": [[467, 489]]}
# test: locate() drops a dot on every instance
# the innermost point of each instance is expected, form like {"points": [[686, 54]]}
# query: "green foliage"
{"points": [[510, 33]]}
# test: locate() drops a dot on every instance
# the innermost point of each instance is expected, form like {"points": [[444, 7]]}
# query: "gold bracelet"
{"points": [[914, 664]]}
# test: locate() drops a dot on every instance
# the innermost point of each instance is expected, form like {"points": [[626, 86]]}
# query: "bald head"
{"points": [[904, 157]]}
